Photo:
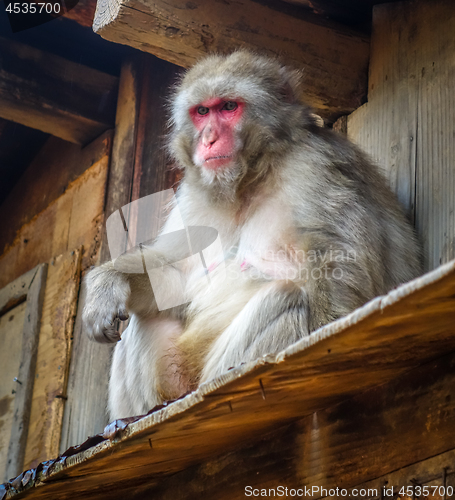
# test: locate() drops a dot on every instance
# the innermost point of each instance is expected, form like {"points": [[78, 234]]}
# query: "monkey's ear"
{"points": [[290, 86]]}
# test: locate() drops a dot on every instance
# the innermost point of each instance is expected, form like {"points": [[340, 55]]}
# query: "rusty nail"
{"points": [[262, 388]]}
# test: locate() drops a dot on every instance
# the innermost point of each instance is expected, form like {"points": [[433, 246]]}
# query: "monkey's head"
{"points": [[232, 116]]}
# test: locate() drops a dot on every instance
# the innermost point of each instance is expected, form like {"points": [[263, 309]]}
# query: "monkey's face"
{"points": [[217, 144], [231, 116]]}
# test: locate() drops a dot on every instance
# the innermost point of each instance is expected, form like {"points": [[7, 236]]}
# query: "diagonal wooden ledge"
{"points": [[334, 59], [371, 346]]}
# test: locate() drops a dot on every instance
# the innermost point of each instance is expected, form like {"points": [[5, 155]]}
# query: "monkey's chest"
{"points": [[269, 245]]}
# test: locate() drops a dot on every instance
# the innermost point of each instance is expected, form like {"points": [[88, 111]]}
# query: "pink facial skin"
{"points": [[216, 123]]}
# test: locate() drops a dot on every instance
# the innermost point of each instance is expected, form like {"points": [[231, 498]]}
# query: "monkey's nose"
{"points": [[209, 137]]}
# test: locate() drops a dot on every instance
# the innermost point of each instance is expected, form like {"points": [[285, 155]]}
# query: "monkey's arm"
{"points": [[116, 289], [110, 294], [274, 318]]}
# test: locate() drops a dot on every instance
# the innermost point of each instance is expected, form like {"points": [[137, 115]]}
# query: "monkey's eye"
{"points": [[202, 110], [230, 106]]}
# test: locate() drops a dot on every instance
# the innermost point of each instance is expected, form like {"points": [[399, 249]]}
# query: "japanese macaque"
{"points": [[309, 231]]}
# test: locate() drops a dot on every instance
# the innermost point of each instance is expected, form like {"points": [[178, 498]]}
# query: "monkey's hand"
{"points": [[108, 291]]}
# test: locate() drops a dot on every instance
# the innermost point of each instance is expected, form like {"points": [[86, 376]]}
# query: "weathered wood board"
{"points": [[85, 408], [74, 219], [408, 123], [377, 431], [45, 180], [333, 58], [436, 473], [54, 95], [28, 288], [54, 350], [11, 325], [373, 345]]}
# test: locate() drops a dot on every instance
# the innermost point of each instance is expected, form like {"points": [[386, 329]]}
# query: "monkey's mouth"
{"points": [[217, 158], [214, 162]]}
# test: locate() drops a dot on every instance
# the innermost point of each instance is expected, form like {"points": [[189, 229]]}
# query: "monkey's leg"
{"points": [[146, 368], [274, 318]]}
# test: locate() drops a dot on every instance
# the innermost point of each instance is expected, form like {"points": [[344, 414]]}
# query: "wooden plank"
{"points": [[26, 374], [11, 325], [407, 125], [54, 95], [15, 292], [405, 421], [72, 220], [45, 180], [373, 345], [334, 59], [54, 351], [435, 472], [85, 409]]}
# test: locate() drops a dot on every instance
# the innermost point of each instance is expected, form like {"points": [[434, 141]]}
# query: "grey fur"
{"points": [[294, 188]]}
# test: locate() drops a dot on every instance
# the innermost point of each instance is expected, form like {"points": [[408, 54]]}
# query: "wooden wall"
{"points": [[55, 215], [408, 123]]}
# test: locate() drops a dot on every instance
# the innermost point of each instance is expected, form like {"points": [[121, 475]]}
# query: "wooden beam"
{"points": [[374, 345], [403, 422], [334, 60], [54, 95]]}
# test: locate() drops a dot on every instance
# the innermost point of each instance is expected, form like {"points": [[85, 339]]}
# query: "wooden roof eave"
{"points": [[373, 345]]}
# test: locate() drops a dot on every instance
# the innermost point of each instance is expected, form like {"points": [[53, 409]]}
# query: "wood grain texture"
{"points": [[26, 374], [373, 345], [11, 326], [407, 124], [333, 58], [16, 291], [121, 169], [54, 95], [404, 421], [86, 407], [435, 472], [54, 351], [45, 180], [72, 220]]}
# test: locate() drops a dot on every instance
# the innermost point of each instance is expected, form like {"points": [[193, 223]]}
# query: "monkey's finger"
{"points": [[111, 335], [107, 335]]}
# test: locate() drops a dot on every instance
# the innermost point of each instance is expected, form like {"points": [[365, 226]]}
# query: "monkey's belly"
{"points": [[147, 368]]}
